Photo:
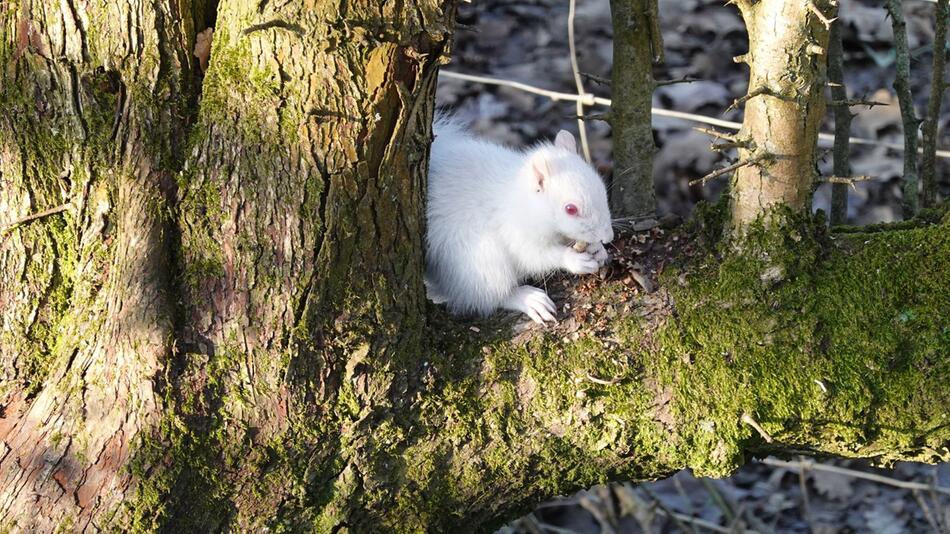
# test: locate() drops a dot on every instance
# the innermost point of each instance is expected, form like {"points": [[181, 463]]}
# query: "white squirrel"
{"points": [[497, 216]]}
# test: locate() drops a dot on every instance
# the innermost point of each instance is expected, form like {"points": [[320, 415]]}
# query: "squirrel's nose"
{"points": [[608, 236]]}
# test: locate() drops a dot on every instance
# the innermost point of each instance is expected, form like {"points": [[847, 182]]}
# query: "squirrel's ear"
{"points": [[539, 170], [566, 141]]}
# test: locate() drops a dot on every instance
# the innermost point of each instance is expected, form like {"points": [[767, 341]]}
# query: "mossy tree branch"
{"points": [[827, 343]]}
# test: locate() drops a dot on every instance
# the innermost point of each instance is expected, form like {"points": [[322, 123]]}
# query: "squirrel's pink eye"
{"points": [[571, 209]]}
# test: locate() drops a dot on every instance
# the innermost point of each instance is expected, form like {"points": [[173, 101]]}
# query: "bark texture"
{"points": [[90, 95], [931, 126], [909, 120], [784, 105], [843, 116], [636, 44]]}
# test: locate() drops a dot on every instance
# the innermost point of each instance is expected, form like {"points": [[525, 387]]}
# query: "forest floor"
{"points": [[526, 41]]}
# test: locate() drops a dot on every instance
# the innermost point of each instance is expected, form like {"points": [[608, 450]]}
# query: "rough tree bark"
{"points": [[843, 116], [92, 96], [637, 43], [783, 106], [224, 329]]}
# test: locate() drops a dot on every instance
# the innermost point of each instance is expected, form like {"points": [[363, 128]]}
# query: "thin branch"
{"points": [[590, 100], [846, 180], [850, 102], [729, 145], [45, 213], [684, 79], [811, 464], [718, 499], [806, 507], [717, 134], [928, 515], [596, 79], [928, 167], [582, 128], [843, 116], [747, 419], [683, 525], [725, 170], [749, 96], [905, 99], [605, 117]]}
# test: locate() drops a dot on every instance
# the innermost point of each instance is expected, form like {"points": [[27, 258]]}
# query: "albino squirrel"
{"points": [[497, 216]]}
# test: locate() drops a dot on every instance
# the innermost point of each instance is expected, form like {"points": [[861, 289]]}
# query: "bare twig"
{"points": [[806, 507], [596, 79], [725, 170], [928, 167], [811, 464], [581, 127], [45, 213], [749, 96], [928, 514], [729, 145], [905, 99], [842, 155], [590, 100], [846, 180], [747, 419], [601, 381], [720, 135], [718, 499], [684, 79], [856, 102]]}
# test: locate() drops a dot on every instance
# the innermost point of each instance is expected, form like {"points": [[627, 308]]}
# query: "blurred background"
{"points": [[526, 41]]}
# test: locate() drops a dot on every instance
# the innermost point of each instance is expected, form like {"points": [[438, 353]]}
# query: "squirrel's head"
{"points": [[572, 190]]}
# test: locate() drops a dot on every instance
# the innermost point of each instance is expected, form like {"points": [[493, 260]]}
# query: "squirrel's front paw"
{"points": [[533, 302], [580, 262], [599, 253]]}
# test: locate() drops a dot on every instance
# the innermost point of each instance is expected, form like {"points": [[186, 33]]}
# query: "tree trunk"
{"points": [[636, 44], [784, 105], [214, 288], [224, 329], [91, 98]]}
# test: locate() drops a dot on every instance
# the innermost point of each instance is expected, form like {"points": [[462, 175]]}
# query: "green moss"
{"points": [[811, 338]]}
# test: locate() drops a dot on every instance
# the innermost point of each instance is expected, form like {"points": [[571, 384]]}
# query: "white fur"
{"points": [[496, 217]]}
